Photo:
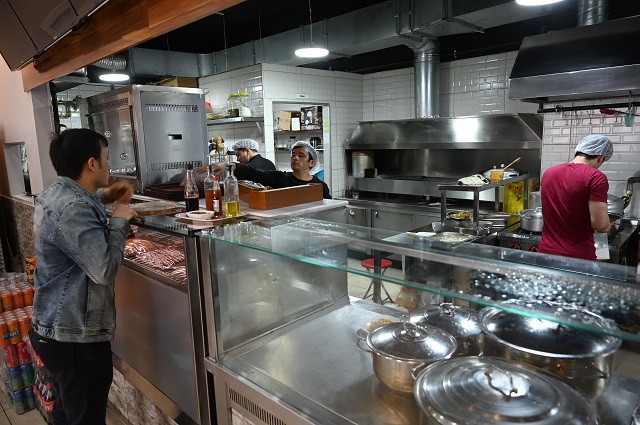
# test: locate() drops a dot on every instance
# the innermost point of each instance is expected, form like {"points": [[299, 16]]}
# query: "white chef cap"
{"points": [[246, 144], [596, 144], [312, 153]]}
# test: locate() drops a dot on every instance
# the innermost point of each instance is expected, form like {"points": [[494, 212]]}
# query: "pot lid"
{"points": [[461, 322], [548, 338], [487, 390], [532, 213], [408, 341]]}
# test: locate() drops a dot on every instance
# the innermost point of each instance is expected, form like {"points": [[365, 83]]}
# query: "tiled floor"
{"points": [[9, 417], [358, 284]]}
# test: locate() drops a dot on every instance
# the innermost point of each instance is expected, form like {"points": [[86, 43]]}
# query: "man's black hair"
{"points": [[587, 156], [70, 150]]}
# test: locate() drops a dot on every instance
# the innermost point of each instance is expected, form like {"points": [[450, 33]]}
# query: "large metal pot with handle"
{"points": [[582, 359], [531, 219], [461, 322], [491, 391], [400, 350]]}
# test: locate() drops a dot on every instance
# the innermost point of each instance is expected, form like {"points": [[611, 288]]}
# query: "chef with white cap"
{"points": [[247, 153], [574, 201], [303, 159]]}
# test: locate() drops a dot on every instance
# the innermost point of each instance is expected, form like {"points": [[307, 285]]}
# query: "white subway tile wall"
{"points": [[473, 86]]}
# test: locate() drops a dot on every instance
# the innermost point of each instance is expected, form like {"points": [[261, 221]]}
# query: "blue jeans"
{"points": [[81, 375]]}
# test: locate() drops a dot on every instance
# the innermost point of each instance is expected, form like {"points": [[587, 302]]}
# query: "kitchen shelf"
{"points": [[296, 131], [443, 188], [257, 120]]}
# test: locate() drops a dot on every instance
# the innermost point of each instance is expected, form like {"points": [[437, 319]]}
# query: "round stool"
{"points": [[368, 264]]}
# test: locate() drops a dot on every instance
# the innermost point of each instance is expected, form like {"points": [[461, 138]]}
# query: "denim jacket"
{"points": [[79, 254]]}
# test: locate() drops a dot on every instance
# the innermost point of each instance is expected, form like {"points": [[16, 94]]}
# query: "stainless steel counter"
{"points": [[318, 369]]}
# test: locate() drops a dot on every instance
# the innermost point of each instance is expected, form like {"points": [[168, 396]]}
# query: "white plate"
{"points": [[184, 215]]}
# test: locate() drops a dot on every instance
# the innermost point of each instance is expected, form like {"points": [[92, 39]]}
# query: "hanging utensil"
{"points": [[608, 111], [512, 162]]}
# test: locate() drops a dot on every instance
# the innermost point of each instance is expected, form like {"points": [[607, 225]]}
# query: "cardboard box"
{"points": [[311, 118], [179, 82], [285, 197], [286, 118]]}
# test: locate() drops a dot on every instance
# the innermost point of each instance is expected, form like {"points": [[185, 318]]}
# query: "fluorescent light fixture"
{"points": [[114, 77], [312, 52], [536, 2]]}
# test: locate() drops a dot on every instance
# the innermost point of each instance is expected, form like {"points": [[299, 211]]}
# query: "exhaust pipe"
{"points": [[426, 67]]}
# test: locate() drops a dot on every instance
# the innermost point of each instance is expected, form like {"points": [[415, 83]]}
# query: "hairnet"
{"points": [[596, 144], [246, 144], [312, 153]]}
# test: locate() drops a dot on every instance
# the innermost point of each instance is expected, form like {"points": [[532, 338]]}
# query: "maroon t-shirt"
{"points": [[566, 190]]}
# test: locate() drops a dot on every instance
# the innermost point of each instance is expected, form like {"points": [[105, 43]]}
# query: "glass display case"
{"points": [[282, 331]]}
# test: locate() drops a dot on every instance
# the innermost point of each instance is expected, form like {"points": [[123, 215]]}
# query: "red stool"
{"points": [[368, 264]]}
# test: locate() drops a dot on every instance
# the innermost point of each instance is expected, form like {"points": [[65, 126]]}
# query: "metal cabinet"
{"points": [[390, 220]]}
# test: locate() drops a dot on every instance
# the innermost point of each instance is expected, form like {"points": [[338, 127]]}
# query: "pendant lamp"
{"points": [[311, 52], [536, 2]]}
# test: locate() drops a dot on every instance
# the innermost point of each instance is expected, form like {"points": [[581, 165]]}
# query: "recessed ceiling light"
{"points": [[536, 2], [113, 77], [312, 52]]}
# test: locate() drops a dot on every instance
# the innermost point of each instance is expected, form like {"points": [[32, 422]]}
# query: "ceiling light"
{"points": [[311, 52], [114, 77], [536, 2]]}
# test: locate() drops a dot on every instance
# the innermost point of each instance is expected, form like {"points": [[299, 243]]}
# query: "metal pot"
{"points": [[531, 220], [535, 200], [615, 205], [581, 359], [400, 350], [490, 391], [480, 228], [461, 322]]}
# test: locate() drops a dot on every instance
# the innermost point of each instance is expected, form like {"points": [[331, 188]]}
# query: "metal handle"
{"points": [[366, 350], [352, 213], [603, 375], [416, 370], [448, 308], [513, 389]]}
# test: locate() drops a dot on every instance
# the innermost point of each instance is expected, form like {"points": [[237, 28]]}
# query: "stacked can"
{"points": [[29, 268], [16, 368]]}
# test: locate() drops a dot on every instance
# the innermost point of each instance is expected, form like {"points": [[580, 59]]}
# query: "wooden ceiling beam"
{"points": [[118, 25]]}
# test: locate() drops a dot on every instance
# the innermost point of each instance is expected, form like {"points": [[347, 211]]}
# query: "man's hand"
{"points": [[122, 210], [218, 168], [119, 192]]}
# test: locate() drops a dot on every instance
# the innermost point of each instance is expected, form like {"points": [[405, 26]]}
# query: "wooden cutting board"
{"points": [[155, 208]]}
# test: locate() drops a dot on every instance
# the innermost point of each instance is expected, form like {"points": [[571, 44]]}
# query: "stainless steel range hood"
{"points": [[589, 62]]}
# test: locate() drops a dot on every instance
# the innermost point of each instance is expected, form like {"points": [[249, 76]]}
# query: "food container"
{"points": [[498, 219], [401, 349], [531, 220], [480, 228], [581, 358], [461, 322], [448, 240], [490, 391], [535, 200]]}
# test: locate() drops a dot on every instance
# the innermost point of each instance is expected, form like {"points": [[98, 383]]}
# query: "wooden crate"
{"points": [[285, 197]]}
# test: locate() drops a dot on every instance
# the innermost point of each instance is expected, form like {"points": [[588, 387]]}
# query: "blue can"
{"points": [[28, 399], [15, 379], [26, 373], [17, 402]]}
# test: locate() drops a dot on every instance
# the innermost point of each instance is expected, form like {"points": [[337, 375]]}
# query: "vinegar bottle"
{"points": [[216, 195], [231, 194], [208, 189], [191, 196]]}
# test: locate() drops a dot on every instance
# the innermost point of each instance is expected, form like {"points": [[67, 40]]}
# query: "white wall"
{"points": [[25, 117]]}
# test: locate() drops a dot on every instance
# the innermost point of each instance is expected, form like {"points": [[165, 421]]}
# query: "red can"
{"points": [[4, 333], [23, 353], [14, 330], [11, 354]]}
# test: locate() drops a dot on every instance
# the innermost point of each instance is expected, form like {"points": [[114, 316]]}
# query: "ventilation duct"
{"points": [[593, 61], [114, 63], [426, 68]]}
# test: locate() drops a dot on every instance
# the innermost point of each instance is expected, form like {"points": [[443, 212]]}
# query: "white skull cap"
{"points": [[596, 144], [312, 152], [246, 144]]}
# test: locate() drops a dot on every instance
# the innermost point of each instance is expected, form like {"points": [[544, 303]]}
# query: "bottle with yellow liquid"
{"points": [[231, 194]]}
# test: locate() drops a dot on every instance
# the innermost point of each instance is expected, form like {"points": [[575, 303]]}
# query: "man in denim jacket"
{"points": [[79, 253]]}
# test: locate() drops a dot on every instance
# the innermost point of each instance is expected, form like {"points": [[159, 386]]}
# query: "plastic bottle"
{"points": [[231, 194], [191, 196], [49, 400]]}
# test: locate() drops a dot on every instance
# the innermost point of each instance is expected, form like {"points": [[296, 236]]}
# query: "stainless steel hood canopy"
{"points": [[589, 62]]}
